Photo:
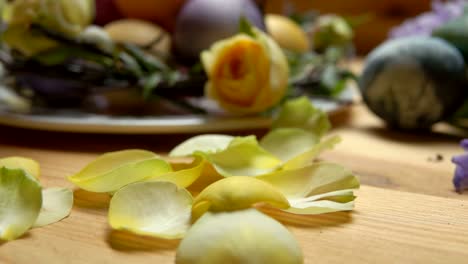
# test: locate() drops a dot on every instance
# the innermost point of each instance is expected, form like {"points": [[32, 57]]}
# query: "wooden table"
{"points": [[406, 211]]}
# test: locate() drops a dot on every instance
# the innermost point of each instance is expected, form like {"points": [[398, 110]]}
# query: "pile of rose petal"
{"points": [[23, 202], [210, 199]]}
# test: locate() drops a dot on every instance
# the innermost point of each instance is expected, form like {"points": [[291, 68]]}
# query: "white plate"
{"points": [[92, 123]]}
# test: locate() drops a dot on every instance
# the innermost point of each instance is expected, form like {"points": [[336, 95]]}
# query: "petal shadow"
{"points": [[91, 200], [309, 221], [127, 241]]}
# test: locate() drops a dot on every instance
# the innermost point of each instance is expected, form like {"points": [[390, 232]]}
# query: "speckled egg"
{"points": [[414, 82]]}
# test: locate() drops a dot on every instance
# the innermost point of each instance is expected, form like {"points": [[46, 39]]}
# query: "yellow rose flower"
{"points": [[246, 74], [66, 17], [69, 17]]}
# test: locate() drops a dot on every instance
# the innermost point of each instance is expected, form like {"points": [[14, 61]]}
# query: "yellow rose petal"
{"points": [[245, 236], [203, 143], [241, 156], [185, 177], [244, 157], [279, 70], [287, 143], [208, 176], [56, 205], [315, 189], [342, 200], [317, 178], [300, 113], [30, 166], [20, 202], [308, 156], [159, 209], [234, 193], [111, 171]]}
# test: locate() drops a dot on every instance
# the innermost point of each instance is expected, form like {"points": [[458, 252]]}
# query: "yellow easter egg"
{"points": [[139, 32], [287, 33]]}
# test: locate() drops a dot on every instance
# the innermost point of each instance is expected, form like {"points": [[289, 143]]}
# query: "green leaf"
{"points": [[61, 54], [330, 77], [304, 18], [56, 205], [113, 170], [301, 64], [147, 61], [244, 236], [53, 57], [159, 209], [300, 113], [245, 27], [243, 157], [131, 64], [150, 83], [20, 202]]}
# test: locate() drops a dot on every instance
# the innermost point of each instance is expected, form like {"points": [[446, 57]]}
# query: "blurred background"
{"points": [[374, 18], [159, 43]]}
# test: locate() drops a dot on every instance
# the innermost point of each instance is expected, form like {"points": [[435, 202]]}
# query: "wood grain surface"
{"points": [[406, 211]]}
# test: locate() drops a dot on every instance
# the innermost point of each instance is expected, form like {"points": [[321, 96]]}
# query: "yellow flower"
{"points": [[246, 74], [68, 17]]}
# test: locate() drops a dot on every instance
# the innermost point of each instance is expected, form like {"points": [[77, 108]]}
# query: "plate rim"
{"points": [[107, 124]]}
